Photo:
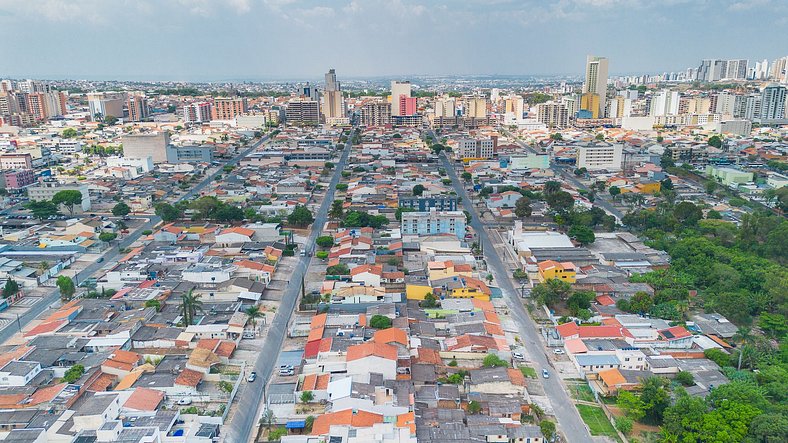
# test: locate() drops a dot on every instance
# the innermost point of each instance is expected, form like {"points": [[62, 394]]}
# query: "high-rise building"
{"points": [[407, 106], [752, 107], [311, 92], [302, 111], [55, 104], [398, 89], [736, 70], [516, 106], [445, 106], [590, 102], [333, 102], [664, 102], [331, 81], [772, 104], [477, 107], [711, 70], [554, 115], [106, 104], [472, 148], [198, 112], [779, 69], [376, 114], [227, 108], [596, 82], [138, 108], [599, 155], [761, 70]]}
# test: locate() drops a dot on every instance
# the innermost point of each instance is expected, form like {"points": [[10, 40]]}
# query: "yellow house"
{"points": [[447, 269], [649, 187], [467, 292], [550, 269], [417, 292]]}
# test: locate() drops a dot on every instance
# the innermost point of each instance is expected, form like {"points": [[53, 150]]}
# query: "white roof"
{"points": [[547, 239]]}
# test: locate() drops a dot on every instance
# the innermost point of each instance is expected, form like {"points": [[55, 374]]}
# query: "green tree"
{"points": [[769, 428], [687, 213], [715, 141], [340, 269], [66, 286], [337, 210], [727, 423], [467, 176], [614, 191], [430, 301], [153, 303], [556, 136], [107, 237], [579, 300], [493, 361], [68, 198], [11, 288], [685, 378], [522, 208], [631, 404], [69, 133], [398, 213], [342, 186], [380, 322], [325, 241], [121, 209], [684, 417], [225, 386], [624, 424], [167, 212], [300, 217], [560, 201], [656, 397], [42, 209], [322, 255], [190, 305], [110, 120], [254, 314], [641, 303], [711, 186], [474, 407], [418, 190], [551, 187], [550, 292], [546, 426], [583, 235], [307, 396], [229, 213], [74, 373]]}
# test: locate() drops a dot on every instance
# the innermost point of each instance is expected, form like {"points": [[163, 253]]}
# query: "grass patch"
{"points": [[581, 392], [597, 421], [528, 371]]}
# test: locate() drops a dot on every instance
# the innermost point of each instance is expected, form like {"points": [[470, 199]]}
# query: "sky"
{"points": [[215, 40]]}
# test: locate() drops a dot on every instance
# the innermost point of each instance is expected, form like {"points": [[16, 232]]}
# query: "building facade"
{"points": [[434, 222]]}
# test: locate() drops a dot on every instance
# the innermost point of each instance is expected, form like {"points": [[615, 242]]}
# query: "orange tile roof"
{"points": [[207, 343], [16, 354], [129, 380], [45, 328], [372, 269], [362, 320], [391, 335], [189, 377], [484, 305], [516, 377], [407, 420], [144, 399], [47, 394], [238, 230], [429, 356], [368, 349], [612, 377], [125, 356], [349, 417], [225, 349]]}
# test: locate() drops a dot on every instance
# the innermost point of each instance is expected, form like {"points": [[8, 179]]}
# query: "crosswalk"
{"points": [[6, 321]]}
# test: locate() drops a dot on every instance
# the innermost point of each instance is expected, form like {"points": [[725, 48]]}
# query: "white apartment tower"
{"points": [[596, 79], [398, 89]]}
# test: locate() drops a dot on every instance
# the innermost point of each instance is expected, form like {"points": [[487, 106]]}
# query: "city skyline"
{"points": [[277, 39]]}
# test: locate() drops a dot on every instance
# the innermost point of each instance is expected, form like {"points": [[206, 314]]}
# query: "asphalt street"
{"points": [[250, 402], [569, 420], [111, 253]]}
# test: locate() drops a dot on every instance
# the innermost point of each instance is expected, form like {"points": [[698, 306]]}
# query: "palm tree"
{"points": [[254, 313], [190, 305], [268, 419], [744, 337]]}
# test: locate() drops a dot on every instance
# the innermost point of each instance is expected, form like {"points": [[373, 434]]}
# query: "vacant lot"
{"points": [[597, 421]]}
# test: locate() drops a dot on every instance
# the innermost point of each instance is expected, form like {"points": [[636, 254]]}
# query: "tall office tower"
{"points": [[778, 69], [331, 81], [138, 108], [333, 102], [596, 81], [772, 103], [711, 70], [736, 70], [398, 89], [515, 105], [199, 112], [376, 114], [477, 107], [301, 111], [445, 106], [554, 115], [105, 104], [311, 92], [227, 108], [665, 102]]}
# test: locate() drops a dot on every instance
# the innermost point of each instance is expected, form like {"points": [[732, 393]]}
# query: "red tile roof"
{"points": [[189, 377], [350, 417], [144, 399], [369, 349]]}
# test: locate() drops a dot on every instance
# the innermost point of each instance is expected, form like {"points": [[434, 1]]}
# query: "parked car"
{"points": [[558, 351], [518, 356], [252, 377], [545, 374], [185, 401]]}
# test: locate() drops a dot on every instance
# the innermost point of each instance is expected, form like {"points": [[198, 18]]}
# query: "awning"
{"points": [[296, 424]]}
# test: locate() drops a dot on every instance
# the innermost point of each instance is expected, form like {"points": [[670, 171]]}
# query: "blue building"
{"points": [[422, 204], [434, 222]]}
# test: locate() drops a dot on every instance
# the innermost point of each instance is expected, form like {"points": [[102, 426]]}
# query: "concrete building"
{"points": [[153, 145], [472, 148], [13, 180], [434, 222], [554, 115], [47, 190], [773, 104], [376, 114], [333, 102], [590, 103], [596, 81], [16, 161], [189, 154], [599, 155], [105, 104], [664, 102], [199, 112], [398, 89], [425, 203], [529, 161], [445, 106], [736, 70], [138, 108], [477, 108], [304, 112], [227, 108], [729, 176]]}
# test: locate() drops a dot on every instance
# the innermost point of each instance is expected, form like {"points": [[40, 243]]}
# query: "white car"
{"points": [[252, 377], [518, 356], [558, 351], [545, 374], [185, 401]]}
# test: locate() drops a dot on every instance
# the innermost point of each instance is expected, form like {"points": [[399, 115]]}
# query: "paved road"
{"points": [[569, 176], [568, 418], [111, 253], [243, 425]]}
